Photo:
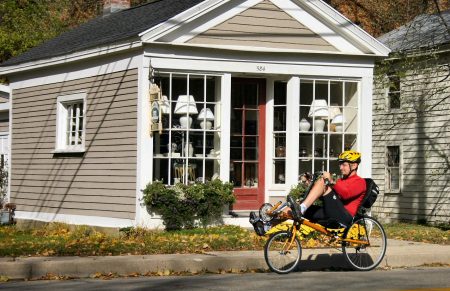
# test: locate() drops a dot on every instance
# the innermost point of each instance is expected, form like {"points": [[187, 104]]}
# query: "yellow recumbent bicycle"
{"points": [[363, 242]]}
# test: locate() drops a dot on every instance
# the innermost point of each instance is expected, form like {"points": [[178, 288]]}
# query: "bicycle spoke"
{"points": [[365, 256], [281, 255]]}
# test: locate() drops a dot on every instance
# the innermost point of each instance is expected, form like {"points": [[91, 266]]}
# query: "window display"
{"points": [[328, 123], [187, 150], [279, 133]]}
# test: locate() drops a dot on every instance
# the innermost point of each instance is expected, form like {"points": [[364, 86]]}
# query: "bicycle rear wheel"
{"points": [[281, 256], [365, 257]]}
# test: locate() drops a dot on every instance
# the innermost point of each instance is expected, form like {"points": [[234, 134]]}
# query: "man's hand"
{"points": [[326, 175]]}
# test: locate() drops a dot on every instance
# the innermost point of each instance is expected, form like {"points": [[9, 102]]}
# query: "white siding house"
{"points": [[411, 124]]}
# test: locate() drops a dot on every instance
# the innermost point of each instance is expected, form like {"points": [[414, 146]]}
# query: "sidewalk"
{"points": [[398, 254]]}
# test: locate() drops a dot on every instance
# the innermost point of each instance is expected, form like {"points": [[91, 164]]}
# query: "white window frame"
{"points": [[62, 145]]}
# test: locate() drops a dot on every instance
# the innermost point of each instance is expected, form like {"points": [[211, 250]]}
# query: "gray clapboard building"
{"points": [[411, 122]]}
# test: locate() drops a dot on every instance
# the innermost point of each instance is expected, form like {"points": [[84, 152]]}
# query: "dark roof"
{"points": [[115, 27], [425, 31]]}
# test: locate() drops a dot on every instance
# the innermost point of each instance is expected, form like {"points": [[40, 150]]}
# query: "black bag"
{"points": [[372, 192], [257, 223]]}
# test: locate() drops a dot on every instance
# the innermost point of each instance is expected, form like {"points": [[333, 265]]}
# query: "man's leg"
{"points": [[318, 190]]}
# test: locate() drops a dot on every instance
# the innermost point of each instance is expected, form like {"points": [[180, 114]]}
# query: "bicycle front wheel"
{"points": [[367, 254], [281, 255]]}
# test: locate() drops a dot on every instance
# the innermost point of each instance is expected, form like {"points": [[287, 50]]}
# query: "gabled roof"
{"points": [[180, 21], [126, 24], [425, 31]]}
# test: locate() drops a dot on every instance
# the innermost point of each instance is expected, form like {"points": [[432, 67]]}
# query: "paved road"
{"points": [[397, 279]]}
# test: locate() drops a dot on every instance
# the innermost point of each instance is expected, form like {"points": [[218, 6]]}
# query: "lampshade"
{"points": [[165, 107], [334, 111], [185, 104], [319, 109], [206, 113], [338, 119]]}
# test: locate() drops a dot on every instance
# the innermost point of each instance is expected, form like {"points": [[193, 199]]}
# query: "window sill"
{"points": [[69, 151], [393, 192]]}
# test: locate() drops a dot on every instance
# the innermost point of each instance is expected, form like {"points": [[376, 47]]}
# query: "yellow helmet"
{"points": [[350, 156]]}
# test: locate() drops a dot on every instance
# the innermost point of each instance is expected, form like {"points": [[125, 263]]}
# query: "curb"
{"points": [[399, 254]]}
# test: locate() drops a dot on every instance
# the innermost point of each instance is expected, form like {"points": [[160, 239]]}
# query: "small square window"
{"points": [[71, 113], [394, 92], [393, 169]]}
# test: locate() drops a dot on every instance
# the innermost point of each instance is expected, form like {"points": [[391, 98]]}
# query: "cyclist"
{"points": [[341, 198]]}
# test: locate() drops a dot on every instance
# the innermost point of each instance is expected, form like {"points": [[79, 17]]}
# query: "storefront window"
{"points": [[279, 133], [187, 149], [328, 123]]}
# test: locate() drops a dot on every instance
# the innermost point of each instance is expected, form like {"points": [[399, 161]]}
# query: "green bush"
{"points": [[297, 191], [180, 206]]}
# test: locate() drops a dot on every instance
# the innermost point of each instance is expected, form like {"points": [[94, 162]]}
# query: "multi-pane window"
{"points": [[71, 122], [328, 123], [279, 133], [394, 91], [393, 168], [75, 130], [187, 149]]}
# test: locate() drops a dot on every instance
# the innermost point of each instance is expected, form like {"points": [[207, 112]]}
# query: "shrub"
{"points": [[180, 206], [297, 191]]}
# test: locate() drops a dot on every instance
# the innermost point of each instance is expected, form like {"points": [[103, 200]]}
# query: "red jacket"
{"points": [[351, 191]]}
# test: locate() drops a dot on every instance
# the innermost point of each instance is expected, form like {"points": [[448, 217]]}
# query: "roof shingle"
{"points": [[425, 31], [126, 24]]}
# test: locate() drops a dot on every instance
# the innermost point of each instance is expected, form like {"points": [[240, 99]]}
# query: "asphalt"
{"points": [[398, 254]]}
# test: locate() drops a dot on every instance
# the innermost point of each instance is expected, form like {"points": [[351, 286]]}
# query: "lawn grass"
{"points": [[57, 239], [418, 233]]}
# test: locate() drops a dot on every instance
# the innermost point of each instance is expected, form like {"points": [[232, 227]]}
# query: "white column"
{"points": [[292, 128], [144, 164], [269, 166], [225, 127], [365, 124]]}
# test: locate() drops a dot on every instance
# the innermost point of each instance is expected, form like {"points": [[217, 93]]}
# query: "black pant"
{"points": [[332, 209]]}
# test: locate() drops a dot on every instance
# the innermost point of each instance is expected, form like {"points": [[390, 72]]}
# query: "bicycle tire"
{"points": [[278, 260], [362, 257]]}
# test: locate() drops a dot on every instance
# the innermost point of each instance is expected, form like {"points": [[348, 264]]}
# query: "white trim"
{"points": [[75, 219], [8, 198], [90, 53], [227, 12], [318, 27], [61, 144], [260, 49], [175, 22], [225, 101], [5, 106], [86, 69], [4, 88], [251, 67], [365, 124], [293, 115], [269, 167], [348, 28], [144, 162]]}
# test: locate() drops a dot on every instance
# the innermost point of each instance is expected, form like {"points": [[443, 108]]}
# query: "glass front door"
{"points": [[247, 142]]}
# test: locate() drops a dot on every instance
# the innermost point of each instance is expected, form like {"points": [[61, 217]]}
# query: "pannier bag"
{"points": [[371, 193], [257, 223]]}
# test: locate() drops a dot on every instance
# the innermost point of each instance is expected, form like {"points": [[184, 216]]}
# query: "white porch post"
{"points": [[144, 141], [365, 125], [225, 127], [292, 127]]}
